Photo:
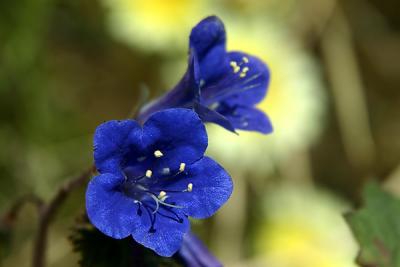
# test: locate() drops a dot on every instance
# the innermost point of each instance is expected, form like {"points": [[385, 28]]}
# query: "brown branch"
{"points": [[48, 211], [11, 215]]}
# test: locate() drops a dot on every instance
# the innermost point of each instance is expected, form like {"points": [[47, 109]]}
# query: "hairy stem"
{"points": [[49, 210]]}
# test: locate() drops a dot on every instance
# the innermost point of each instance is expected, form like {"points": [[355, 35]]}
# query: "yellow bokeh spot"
{"points": [[155, 24], [161, 14], [304, 227]]}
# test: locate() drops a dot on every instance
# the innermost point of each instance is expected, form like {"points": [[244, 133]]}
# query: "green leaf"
{"points": [[98, 250], [376, 227]]}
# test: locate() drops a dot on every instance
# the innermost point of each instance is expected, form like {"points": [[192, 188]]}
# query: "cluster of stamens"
{"points": [[238, 67], [162, 195]]}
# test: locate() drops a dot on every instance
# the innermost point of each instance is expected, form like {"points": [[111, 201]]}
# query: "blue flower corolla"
{"points": [[152, 177], [222, 87]]}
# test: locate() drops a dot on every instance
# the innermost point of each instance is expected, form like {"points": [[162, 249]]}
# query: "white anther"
{"points": [[182, 167], [149, 173], [190, 187], [165, 171], [245, 59], [245, 69], [158, 154], [233, 64], [214, 106], [162, 195]]}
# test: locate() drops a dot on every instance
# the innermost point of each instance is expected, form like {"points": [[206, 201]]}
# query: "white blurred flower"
{"points": [[155, 25], [304, 227]]}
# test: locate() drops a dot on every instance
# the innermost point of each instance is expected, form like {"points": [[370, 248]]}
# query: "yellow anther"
{"points": [[158, 154], [245, 69], [149, 173], [190, 187], [242, 74], [233, 64], [245, 59], [182, 167], [162, 194]]}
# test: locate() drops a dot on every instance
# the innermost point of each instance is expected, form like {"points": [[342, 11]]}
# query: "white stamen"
{"points": [[162, 195], [190, 187], [242, 74], [214, 106], [160, 200], [157, 203], [233, 64], [149, 173], [158, 154], [245, 69], [163, 199], [182, 167], [245, 59]]}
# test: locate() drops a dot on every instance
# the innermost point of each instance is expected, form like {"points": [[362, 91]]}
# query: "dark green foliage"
{"points": [[376, 227], [98, 250], [5, 239]]}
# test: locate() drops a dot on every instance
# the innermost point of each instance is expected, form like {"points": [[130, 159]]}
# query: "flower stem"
{"points": [[11, 215], [49, 210]]}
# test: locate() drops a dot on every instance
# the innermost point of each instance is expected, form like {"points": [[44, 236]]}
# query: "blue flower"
{"points": [[194, 253], [153, 177], [222, 87]]}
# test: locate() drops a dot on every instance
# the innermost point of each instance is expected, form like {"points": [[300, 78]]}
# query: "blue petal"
{"points": [[249, 119], [194, 76], [212, 187], [234, 89], [182, 95], [108, 209], [113, 140], [255, 84], [167, 236], [209, 115], [178, 134], [195, 254], [208, 40]]}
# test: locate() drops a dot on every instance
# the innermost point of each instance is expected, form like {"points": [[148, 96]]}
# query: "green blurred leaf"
{"points": [[376, 227], [98, 250], [5, 239]]}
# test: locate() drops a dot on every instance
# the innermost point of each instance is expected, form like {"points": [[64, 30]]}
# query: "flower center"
{"points": [[241, 81], [149, 189]]}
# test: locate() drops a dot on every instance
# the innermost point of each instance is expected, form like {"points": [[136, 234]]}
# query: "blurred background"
{"points": [[334, 101]]}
